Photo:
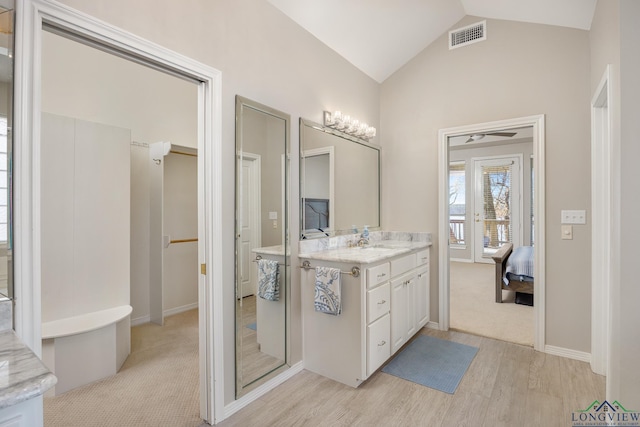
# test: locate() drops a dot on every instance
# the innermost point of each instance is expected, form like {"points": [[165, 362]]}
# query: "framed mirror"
{"points": [[7, 19], [262, 243], [339, 182]]}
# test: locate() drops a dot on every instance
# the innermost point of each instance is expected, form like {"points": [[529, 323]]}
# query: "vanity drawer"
{"points": [[378, 302], [379, 348], [423, 257], [402, 265], [377, 275]]}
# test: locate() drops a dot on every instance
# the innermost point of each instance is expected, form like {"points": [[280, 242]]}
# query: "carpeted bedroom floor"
{"points": [[157, 385], [473, 308]]}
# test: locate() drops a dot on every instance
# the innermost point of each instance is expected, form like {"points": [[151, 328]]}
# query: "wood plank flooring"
{"points": [[506, 385]]}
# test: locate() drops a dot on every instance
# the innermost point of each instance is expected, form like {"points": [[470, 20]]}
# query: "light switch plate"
{"points": [[567, 232], [273, 215], [574, 217]]}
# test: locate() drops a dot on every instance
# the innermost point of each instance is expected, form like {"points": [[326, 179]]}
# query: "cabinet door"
{"points": [[398, 313], [378, 343], [410, 304], [403, 312], [422, 296]]}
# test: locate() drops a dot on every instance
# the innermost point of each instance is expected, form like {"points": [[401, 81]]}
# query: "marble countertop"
{"points": [[22, 375], [378, 251]]}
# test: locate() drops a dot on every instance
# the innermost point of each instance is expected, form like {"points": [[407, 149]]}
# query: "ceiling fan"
{"points": [[477, 136]]}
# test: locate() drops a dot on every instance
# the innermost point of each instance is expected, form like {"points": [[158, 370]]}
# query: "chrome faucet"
{"points": [[363, 241]]}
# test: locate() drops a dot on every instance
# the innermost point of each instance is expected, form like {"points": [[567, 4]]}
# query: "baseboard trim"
{"points": [[140, 320], [433, 325], [568, 353], [180, 309], [146, 319], [254, 395]]}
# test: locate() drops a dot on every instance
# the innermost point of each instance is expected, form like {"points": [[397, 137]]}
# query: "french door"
{"points": [[497, 215]]}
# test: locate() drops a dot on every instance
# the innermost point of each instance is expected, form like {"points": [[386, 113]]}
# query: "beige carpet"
{"points": [[473, 308], [157, 385]]}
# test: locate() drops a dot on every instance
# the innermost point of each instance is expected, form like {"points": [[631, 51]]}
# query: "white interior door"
{"points": [[249, 237], [497, 215]]}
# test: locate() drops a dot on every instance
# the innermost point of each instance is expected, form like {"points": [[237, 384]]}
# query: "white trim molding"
{"points": [[263, 389], [601, 226], [538, 124], [32, 16], [568, 353]]}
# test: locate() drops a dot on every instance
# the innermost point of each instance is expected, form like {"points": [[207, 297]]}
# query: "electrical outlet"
{"points": [[574, 217], [567, 232], [275, 223]]}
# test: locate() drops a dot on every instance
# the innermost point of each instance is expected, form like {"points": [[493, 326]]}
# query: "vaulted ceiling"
{"points": [[380, 36]]}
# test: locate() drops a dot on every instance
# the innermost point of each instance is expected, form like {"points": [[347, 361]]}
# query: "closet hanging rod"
{"points": [[183, 240], [355, 271]]}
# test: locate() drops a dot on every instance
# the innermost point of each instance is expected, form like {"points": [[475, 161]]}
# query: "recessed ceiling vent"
{"points": [[467, 35]]}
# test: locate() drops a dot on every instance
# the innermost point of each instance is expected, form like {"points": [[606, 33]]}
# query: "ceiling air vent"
{"points": [[466, 35]]}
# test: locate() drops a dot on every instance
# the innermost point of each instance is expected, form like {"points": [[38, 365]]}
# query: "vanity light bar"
{"points": [[346, 124]]}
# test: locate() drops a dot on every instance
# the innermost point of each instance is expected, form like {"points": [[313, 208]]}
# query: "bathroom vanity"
{"points": [[384, 298], [23, 377]]}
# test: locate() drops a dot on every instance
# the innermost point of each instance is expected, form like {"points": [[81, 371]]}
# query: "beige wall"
{"points": [[520, 70], [263, 56]]}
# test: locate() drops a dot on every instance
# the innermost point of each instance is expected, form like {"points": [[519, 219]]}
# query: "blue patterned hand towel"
{"points": [[268, 280], [327, 298]]}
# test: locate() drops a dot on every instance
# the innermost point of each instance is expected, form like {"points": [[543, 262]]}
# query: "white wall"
{"points": [[520, 70], [605, 49], [614, 40], [85, 224], [82, 82], [629, 294], [265, 57], [180, 221]]}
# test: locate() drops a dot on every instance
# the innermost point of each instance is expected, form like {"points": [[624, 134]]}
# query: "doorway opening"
{"points": [[37, 17], [486, 203]]}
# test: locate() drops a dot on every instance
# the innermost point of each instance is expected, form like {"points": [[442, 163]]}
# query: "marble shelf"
{"points": [[22, 375]]}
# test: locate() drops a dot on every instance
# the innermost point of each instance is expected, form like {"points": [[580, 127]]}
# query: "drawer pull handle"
{"points": [[382, 302], [382, 343], [381, 275]]}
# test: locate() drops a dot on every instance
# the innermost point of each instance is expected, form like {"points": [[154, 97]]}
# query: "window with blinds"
{"points": [[457, 203]]}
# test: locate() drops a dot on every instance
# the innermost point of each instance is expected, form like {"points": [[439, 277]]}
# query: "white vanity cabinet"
{"points": [[422, 288], [381, 310], [409, 297]]}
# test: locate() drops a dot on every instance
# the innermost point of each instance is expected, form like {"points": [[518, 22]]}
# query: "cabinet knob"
{"points": [[382, 302], [382, 343]]}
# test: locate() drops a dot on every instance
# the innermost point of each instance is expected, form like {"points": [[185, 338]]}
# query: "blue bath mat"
{"points": [[433, 363], [252, 326]]}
